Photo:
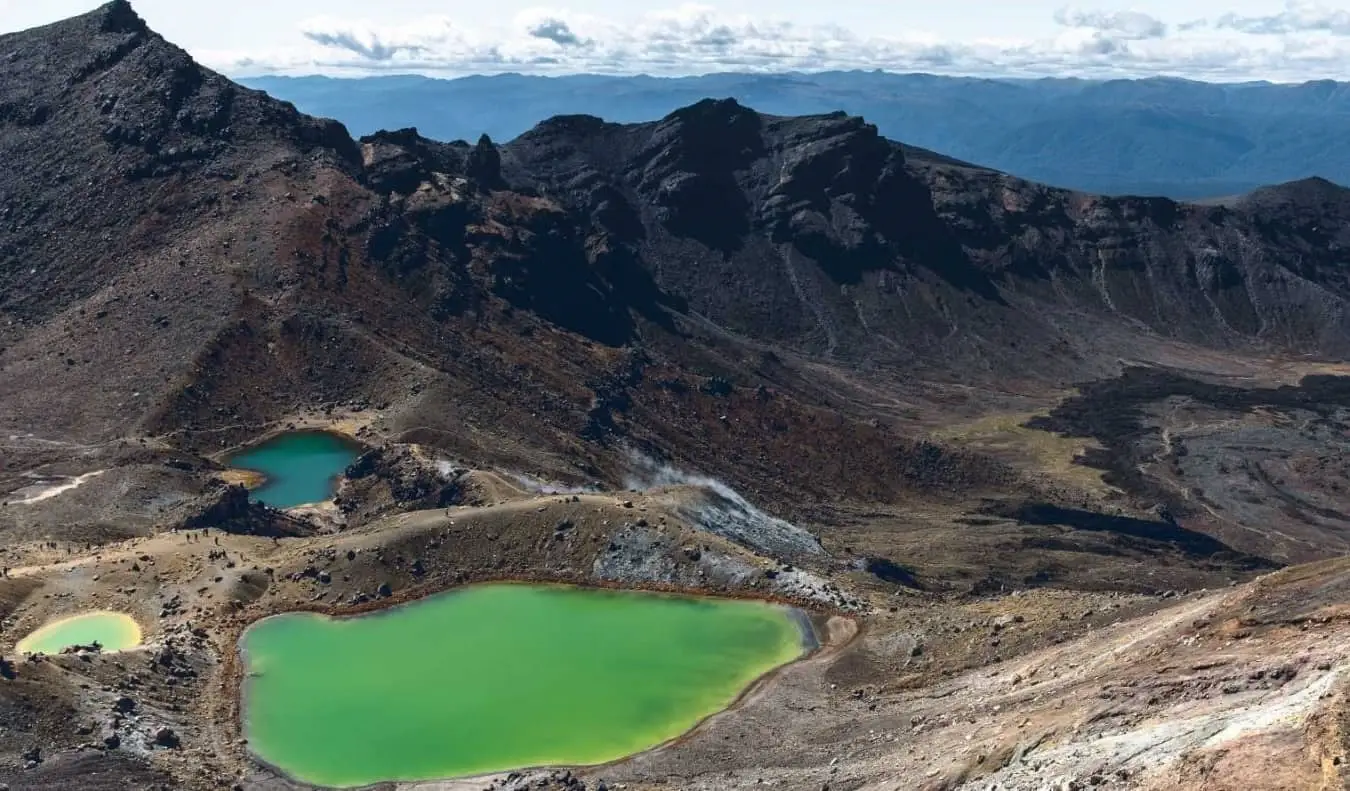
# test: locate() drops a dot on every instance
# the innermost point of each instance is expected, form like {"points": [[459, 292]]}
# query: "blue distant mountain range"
{"points": [[1162, 136]]}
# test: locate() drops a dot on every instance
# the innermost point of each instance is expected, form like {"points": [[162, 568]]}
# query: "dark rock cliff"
{"points": [[193, 259]]}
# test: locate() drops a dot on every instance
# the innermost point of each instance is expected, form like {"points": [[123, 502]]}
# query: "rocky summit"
{"points": [[1058, 478]]}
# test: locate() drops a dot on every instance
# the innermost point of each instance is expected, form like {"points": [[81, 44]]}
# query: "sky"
{"points": [[1222, 40]]}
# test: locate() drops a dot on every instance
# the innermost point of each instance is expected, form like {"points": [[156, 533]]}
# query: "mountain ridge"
{"points": [[651, 221], [1178, 138], [1002, 441]]}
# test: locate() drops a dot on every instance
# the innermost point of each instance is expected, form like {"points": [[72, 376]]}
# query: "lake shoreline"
{"points": [[134, 632], [820, 633], [258, 466]]}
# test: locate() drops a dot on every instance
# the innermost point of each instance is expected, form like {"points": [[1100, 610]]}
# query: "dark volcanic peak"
{"points": [[158, 215], [1314, 211], [673, 319], [92, 111], [1310, 194], [134, 199], [704, 119], [815, 232], [779, 201], [569, 125], [120, 17], [114, 77], [716, 172]]}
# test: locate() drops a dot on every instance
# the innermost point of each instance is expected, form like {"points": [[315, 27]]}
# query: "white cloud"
{"points": [[1297, 17], [1129, 25], [1300, 42]]}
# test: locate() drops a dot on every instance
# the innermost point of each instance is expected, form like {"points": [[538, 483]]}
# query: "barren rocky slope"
{"points": [[946, 398]]}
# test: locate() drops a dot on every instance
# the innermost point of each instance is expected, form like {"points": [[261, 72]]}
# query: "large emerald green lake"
{"points": [[299, 468], [498, 677]]}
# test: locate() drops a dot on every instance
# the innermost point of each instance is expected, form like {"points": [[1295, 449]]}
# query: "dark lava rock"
{"points": [[230, 509], [124, 705], [92, 648], [395, 472], [365, 465], [813, 237], [165, 737], [384, 591], [891, 571], [542, 781], [484, 164]]}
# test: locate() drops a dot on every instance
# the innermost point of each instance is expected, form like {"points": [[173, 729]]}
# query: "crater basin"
{"points": [[298, 468], [113, 631], [498, 677]]}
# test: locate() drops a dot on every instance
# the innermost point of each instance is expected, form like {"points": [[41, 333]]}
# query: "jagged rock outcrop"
{"points": [[229, 509], [483, 165], [841, 244], [192, 259], [396, 477], [766, 323]]}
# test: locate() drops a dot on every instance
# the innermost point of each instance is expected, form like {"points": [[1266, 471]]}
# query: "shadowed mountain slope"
{"points": [[787, 303], [1028, 460]]}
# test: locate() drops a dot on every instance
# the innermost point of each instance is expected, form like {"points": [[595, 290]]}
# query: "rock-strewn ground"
{"points": [[1009, 691], [1049, 460]]}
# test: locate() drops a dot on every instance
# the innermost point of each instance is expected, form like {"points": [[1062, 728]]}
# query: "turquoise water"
{"points": [[300, 468], [498, 677]]}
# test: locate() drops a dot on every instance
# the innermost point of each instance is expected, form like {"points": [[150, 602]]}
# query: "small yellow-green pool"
{"points": [[499, 677], [113, 631]]}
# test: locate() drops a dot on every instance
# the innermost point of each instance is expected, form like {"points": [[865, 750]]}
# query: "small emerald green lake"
{"points": [[299, 468], [113, 631], [499, 677]]}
